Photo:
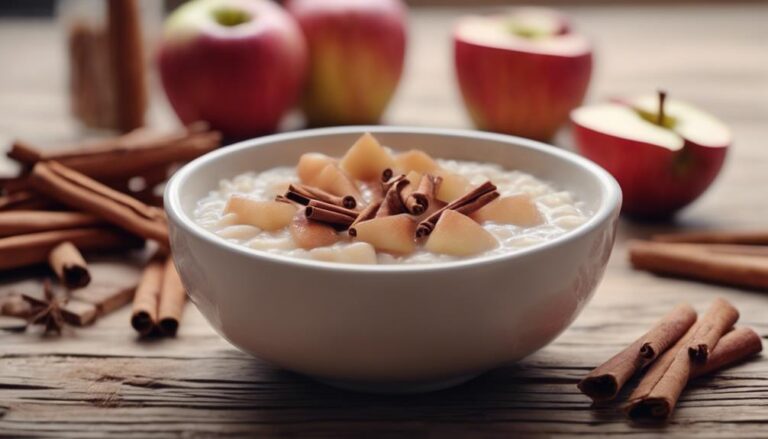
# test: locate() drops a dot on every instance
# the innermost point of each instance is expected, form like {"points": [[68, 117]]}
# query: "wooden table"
{"points": [[101, 381]]}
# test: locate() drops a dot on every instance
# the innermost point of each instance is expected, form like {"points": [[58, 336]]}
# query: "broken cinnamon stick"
{"points": [[171, 301], [336, 216], [34, 248], [418, 201], [18, 222], [83, 193], [303, 194], [392, 204], [147, 297], [605, 382], [466, 204], [697, 262], [127, 61], [368, 213], [734, 347], [755, 237], [720, 317], [68, 264]]}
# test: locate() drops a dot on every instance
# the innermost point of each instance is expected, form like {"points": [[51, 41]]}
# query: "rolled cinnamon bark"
{"points": [[34, 248], [466, 204], [171, 301], [127, 61], [754, 237], [68, 264], [696, 262], [25, 200], [368, 213], [392, 204], [83, 193], [605, 382], [147, 297], [18, 222], [718, 320], [734, 347], [303, 194], [418, 201]]}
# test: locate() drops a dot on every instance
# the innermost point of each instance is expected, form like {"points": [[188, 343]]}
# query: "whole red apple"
{"points": [[664, 153], [521, 72], [356, 52], [237, 64]]}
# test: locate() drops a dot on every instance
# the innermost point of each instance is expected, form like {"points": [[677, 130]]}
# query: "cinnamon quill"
{"points": [[147, 297], [750, 237], [419, 200], [19, 222], [336, 216], [392, 204], [368, 213], [466, 204], [171, 301], [605, 382], [69, 265], [718, 320], [303, 194]]}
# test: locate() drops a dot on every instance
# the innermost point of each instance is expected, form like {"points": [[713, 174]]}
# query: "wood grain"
{"points": [[103, 381]]}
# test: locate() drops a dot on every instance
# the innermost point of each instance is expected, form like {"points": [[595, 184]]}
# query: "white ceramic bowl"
{"points": [[393, 327]]}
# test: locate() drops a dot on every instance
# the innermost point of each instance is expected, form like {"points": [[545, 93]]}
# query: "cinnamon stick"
{"points": [[368, 213], [25, 200], [303, 194], [418, 201], [466, 204], [696, 262], [392, 204], [18, 222], [336, 216], [734, 347], [81, 192], [145, 301], [751, 237], [68, 264], [127, 61], [34, 248], [605, 382], [720, 317], [171, 301]]}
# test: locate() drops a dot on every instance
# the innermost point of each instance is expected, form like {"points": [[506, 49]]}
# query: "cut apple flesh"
{"points": [[415, 160], [311, 164], [311, 234], [390, 234], [266, 215], [459, 235], [452, 187], [334, 180], [622, 121], [519, 210], [366, 159]]}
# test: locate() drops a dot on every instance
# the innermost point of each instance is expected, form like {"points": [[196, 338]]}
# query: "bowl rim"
{"points": [[610, 203]]}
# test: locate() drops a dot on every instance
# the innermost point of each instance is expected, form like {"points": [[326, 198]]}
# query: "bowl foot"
{"points": [[397, 387]]}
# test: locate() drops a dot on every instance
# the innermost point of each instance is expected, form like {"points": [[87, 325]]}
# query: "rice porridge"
{"points": [[375, 206]]}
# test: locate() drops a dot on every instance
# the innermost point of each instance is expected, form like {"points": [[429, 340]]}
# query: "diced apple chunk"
{"points": [[458, 235], [266, 215], [355, 253], [311, 234], [416, 160], [334, 180], [311, 164], [452, 187], [519, 210], [390, 234], [366, 159]]}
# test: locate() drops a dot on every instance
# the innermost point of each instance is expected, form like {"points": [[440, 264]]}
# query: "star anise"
{"points": [[47, 311]]}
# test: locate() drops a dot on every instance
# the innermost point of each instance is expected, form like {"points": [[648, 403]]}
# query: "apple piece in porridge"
{"points": [[311, 164], [459, 235], [415, 160], [266, 215], [311, 234], [366, 159], [390, 234], [518, 209], [332, 179], [452, 187], [355, 253]]}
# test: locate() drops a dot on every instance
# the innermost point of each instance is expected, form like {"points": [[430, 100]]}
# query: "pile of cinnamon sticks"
{"points": [[679, 348], [723, 257], [68, 201]]}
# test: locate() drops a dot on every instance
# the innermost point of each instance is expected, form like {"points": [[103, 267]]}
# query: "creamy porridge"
{"points": [[375, 206]]}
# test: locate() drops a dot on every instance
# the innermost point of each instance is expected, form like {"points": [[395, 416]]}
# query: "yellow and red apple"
{"points": [[664, 153], [521, 72], [356, 52], [238, 64]]}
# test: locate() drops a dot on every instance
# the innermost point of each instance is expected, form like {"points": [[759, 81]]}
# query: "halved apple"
{"points": [[390, 234], [415, 160], [311, 234], [519, 210], [459, 235], [366, 159], [266, 215], [311, 164], [661, 163], [332, 179]]}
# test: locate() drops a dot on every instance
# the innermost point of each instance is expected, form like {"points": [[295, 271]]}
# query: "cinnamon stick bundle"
{"points": [[468, 203], [697, 262], [18, 222], [171, 301], [605, 382], [718, 320], [147, 297], [34, 248], [81, 192], [125, 156], [756, 237], [69, 265], [303, 194]]}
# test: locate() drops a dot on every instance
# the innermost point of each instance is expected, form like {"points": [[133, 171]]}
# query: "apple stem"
{"points": [[662, 98]]}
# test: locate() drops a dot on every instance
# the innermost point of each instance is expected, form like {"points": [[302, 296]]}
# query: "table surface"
{"points": [[102, 380]]}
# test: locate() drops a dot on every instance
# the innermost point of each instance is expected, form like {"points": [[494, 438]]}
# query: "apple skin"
{"points": [[655, 181], [520, 92], [240, 80], [356, 50]]}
